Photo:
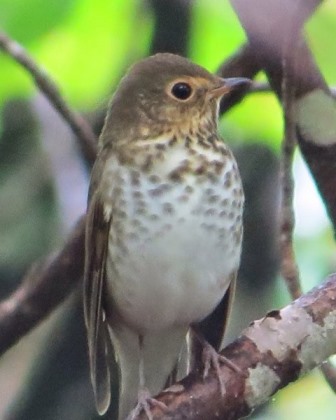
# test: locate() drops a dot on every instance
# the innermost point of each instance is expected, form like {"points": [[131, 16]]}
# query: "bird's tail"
{"points": [[160, 354]]}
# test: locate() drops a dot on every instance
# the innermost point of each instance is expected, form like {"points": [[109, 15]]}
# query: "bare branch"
{"points": [[272, 352], [265, 23], [86, 138], [329, 372], [289, 268], [264, 87], [242, 64], [42, 290]]}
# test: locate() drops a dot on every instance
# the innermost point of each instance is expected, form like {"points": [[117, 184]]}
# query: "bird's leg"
{"points": [[144, 397], [211, 358]]}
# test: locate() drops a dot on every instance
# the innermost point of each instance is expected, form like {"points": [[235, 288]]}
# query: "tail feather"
{"points": [[160, 355]]}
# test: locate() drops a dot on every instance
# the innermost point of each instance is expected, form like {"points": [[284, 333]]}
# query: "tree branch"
{"points": [[87, 140], [263, 21], [243, 64], [289, 268], [266, 23], [44, 287], [272, 352]]}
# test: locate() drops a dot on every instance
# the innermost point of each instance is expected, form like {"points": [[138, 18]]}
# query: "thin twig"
{"points": [[84, 134], [329, 372], [289, 268], [264, 87]]}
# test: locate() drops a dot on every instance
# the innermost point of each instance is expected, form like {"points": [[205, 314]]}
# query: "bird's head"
{"points": [[165, 92]]}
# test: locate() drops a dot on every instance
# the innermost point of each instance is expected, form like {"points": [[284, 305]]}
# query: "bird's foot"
{"points": [[145, 401], [211, 358]]}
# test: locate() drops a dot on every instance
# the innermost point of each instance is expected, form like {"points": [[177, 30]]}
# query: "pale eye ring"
{"points": [[181, 91]]}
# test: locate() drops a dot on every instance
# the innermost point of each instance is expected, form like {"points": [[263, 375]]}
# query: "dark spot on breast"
{"points": [[208, 226], [225, 202], [137, 194], [135, 178], [143, 229], [227, 183], [223, 150], [175, 176], [172, 141], [212, 139], [212, 177], [120, 213], [122, 203], [218, 166], [187, 142], [117, 192], [132, 236], [201, 141], [160, 146], [168, 208], [155, 179], [147, 164], [200, 170], [213, 199], [235, 204], [141, 203], [183, 198], [156, 192], [189, 189], [210, 212]]}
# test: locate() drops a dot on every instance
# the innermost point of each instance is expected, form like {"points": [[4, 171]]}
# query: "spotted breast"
{"points": [[176, 231]]}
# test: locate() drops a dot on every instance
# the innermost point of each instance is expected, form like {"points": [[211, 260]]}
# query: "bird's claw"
{"points": [[211, 358], [145, 401]]}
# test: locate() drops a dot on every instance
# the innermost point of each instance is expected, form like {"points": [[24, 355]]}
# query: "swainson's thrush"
{"points": [[164, 225]]}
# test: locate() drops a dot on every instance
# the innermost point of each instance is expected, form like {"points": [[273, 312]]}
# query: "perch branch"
{"points": [[272, 352], [84, 134]]}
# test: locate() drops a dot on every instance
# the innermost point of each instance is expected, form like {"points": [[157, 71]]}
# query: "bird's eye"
{"points": [[181, 90]]}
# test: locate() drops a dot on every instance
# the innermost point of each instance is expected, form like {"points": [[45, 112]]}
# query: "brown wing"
{"points": [[96, 248], [212, 328]]}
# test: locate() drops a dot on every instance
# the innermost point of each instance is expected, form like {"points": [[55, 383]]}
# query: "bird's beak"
{"points": [[227, 85]]}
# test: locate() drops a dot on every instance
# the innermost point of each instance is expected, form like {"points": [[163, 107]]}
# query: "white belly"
{"points": [[171, 253]]}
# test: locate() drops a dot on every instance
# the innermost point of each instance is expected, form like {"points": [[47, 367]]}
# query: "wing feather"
{"points": [[213, 327], [96, 248]]}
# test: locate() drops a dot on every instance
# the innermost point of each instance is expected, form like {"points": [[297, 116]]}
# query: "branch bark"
{"points": [[87, 141], [44, 287], [312, 109], [272, 352]]}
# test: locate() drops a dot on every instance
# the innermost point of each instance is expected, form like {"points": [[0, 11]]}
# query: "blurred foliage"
{"points": [[86, 45]]}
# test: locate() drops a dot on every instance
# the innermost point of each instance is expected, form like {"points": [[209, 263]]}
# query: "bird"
{"points": [[163, 228]]}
